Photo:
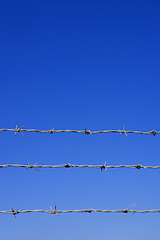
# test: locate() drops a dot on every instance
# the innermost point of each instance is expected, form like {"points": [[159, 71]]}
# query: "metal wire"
{"points": [[87, 132], [68, 165], [90, 210]]}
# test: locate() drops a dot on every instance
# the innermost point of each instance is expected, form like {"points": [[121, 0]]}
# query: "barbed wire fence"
{"points": [[68, 165], [87, 132], [89, 210]]}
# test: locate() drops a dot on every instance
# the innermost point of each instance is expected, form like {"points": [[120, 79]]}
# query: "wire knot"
{"points": [[68, 165], [87, 132], [123, 131], [14, 212], [104, 167], [127, 210], [32, 166], [89, 210], [19, 130], [51, 131], [138, 166], [153, 132], [54, 211]]}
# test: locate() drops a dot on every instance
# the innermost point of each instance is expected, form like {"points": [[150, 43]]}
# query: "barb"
{"points": [[124, 131], [32, 166], [104, 167], [87, 132], [19, 130], [68, 165], [89, 210], [14, 212], [54, 211]]}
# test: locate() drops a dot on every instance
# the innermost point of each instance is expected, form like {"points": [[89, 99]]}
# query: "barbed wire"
{"points": [[87, 132], [68, 165], [89, 210]]}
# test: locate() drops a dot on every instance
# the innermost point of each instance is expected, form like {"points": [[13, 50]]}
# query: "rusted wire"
{"points": [[68, 165], [89, 210], [87, 132]]}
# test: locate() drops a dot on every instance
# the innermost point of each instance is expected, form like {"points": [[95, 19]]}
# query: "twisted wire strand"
{"points": [[68, 165], [87, 132], [89, 210]]}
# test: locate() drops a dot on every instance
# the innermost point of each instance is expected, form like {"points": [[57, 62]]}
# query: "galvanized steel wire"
{"points": [[89, 210], [87, 132], [68, 165]]}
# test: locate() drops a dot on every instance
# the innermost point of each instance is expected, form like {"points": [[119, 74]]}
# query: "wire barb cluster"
{"points": [[89, 210], [87, 132], [68, 165]]}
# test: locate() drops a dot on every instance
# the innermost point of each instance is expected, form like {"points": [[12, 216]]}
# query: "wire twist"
{"points": [[89, 210], [87, 132], [68, 165]]}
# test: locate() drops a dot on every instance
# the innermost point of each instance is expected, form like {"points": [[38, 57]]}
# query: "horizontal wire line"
{"points": [[55, 211], [87, 132], [68, 165]]}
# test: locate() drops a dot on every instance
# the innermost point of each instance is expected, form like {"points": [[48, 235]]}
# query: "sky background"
{"points": [[76, 65]]}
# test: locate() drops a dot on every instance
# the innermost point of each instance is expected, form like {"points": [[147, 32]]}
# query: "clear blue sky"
{"points": [[76, 65]]}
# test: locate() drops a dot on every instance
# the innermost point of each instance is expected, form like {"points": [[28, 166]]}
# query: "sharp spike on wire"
{"points": [[87, 132]]}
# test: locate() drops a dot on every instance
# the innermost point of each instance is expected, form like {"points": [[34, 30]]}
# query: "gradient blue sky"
{"points": [[76, 65]]}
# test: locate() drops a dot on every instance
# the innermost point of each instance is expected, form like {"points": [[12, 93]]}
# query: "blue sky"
{"points": [[77, 65]]}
